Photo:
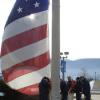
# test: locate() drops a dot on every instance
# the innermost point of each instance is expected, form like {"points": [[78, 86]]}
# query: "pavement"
{"points": [[93, 97]]}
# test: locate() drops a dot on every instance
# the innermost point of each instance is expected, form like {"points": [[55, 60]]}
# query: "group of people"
{"points": [[79, 86], [67, 88]]}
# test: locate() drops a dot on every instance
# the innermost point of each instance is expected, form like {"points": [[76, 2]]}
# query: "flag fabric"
{"points": [[25, 51]]}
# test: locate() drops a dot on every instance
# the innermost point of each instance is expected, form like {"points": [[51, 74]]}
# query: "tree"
{"points": [[84, 72]]}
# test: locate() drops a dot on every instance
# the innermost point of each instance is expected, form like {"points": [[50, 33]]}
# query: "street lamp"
{"points": [[63, 55], [95, 76]]}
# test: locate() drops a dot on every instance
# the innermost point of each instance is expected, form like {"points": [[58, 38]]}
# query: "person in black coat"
{"points": [[44, 88], [7, 93], [63, 88], [78, 89], [86, 88]]}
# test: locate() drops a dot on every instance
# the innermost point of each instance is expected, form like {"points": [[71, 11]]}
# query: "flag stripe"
{"points": [[24, 39], [25, 24], [24, 53], [30, 78], [31, 90], [26, 67]]}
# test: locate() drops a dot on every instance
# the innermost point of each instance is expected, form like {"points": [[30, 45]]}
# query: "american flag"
{"points": [[25, 50]]}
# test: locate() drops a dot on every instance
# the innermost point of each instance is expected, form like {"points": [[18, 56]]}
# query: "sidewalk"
{"points": [[94, 97]]}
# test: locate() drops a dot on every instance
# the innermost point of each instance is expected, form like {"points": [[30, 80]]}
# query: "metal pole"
{"points": [[95, 76], [55, 63], [63, 70]]}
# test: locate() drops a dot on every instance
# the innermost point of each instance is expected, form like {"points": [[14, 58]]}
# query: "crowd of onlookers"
{"points": [[68, 88], [78, 87]]}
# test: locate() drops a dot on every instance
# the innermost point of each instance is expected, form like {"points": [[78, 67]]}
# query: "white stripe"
{"points": [[30, 78], [24, 53], [24, 24]]}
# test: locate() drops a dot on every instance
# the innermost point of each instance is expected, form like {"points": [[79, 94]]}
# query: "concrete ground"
{"points": [[94, 97]]}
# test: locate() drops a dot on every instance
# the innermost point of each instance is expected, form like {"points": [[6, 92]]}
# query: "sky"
{"points": [[80, 26], [89, 67]]}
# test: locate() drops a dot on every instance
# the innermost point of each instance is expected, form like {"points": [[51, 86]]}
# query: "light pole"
{"points": [[63, 63], [95, 76]]}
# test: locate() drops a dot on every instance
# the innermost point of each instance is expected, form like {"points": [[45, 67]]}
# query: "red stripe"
{"points": [[26, 67], [31, 90], [24, 39]]}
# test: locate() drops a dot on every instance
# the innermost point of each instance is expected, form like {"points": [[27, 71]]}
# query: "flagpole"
{"points": [[55, 69]]}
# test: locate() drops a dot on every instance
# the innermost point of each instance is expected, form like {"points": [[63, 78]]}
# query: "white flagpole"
{"points": [[55, 64]]}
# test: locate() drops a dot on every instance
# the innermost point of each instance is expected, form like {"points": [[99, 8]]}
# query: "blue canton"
{"points": [[25, 7]]}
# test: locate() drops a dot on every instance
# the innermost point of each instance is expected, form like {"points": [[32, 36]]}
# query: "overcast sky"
{"points": [[80, 26]]}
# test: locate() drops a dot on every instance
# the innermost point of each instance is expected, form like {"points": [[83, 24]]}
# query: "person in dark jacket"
{"points": [[86, 88], [7, 93], [63, 88], [44, 88], [78, 89]]}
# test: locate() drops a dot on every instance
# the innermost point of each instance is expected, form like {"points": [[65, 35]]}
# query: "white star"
{"points": [[36, 4], [19, 10]]}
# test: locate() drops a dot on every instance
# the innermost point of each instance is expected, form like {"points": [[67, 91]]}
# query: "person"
{"points": [[44, 88], [78, 89], [63, 88], [71, 86], [7, 93], [86, 88]]}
